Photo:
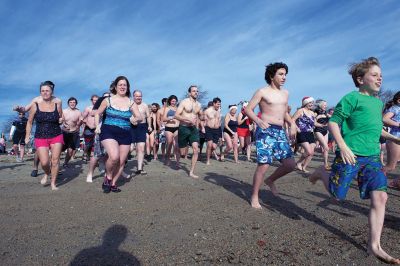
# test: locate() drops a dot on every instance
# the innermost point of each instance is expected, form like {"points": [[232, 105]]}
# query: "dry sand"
{"points": [[168, 218]]}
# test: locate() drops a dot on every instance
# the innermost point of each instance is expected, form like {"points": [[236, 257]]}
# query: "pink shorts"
{"points": [[47, 142]]}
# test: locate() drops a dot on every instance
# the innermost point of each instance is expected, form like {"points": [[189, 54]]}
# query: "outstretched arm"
{"points": [[255, 100]]}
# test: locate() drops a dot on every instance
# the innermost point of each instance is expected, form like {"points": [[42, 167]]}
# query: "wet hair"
{"points": [[358, 70], [393, 101], [93, 96], [209, 104], [164, 100], [216, 100], [192, 86], [47, 83], [113, 86], [271, 70], [72, 99], [170, 98]]}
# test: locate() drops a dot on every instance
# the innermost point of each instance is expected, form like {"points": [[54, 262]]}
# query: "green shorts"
{"points": [[187, 135]]}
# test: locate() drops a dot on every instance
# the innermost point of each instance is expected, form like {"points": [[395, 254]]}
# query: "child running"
{"points": [[359, 114]]}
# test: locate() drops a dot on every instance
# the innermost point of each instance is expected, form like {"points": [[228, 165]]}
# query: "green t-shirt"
{"points": [[360, 117]]}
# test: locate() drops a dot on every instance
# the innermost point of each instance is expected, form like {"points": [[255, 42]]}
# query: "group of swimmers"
{"points": [[118, 121]]}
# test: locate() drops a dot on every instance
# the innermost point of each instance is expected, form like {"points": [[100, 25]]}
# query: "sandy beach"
{"points": [[167, 218]]}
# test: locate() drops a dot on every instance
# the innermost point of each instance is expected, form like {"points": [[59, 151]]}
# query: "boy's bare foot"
{"points": [[272, 187], [43, 181], [89, 179], [380, 254], [299, 167], [191, 174], [255, 203]]}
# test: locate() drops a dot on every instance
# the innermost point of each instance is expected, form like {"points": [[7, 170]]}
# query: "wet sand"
{"points": [[166, 217]]}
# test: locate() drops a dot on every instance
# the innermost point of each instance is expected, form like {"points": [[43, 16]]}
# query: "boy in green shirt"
{"points": [[359, 114]]}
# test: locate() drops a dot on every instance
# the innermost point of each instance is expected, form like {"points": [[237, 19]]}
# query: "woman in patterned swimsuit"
{"points": [[321, 130], [48, 135], [305, 121], [391, 118], [115, 135]]}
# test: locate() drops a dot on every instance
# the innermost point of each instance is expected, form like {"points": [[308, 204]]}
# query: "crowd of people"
{"points": [[116, 124]]}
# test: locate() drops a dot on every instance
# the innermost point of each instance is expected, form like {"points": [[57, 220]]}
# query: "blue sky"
{"points": [[164, 46]]}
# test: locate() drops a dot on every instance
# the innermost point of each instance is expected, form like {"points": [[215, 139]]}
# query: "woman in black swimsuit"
{"points": [[230, 132], [171, 129], [321, 129]]}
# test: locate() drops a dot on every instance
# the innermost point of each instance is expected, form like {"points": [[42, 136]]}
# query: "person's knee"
{"points": [[195, 150], [379, 199], [290, 165]]}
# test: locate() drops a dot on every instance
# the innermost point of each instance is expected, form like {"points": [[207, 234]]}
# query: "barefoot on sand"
{"points": [[43, 181], [299, 167], [53, 187], [272, 187], [380, 254], [191, 174], [255, 203]]}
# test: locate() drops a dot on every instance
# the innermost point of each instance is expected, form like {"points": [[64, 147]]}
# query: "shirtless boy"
{"points": [[72, 120], [212, 116], [188, 114], [271, 139]]}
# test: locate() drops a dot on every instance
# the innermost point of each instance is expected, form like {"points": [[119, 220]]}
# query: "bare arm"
{"points": [[347, 155], [29, 123], [226, 121], [165, 118], [136, 113], [178, 114], [390, 137], [387, 120], [255, 100]]}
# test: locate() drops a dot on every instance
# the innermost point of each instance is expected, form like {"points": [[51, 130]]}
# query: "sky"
{"points": [[164, 46]]}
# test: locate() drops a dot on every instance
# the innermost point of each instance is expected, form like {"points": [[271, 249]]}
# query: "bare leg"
{"points": [[195, 147], [375, 219], [320, 174], [209, 151], [257, 182], [323, 141], [43, 155], [140, 155], [287, 166], [92, 165], [22, 152], [123, 154], [393, 155], [112, 163], [55, 163]]}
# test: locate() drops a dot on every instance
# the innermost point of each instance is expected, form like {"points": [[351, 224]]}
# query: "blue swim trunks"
{"points": [[367, 170], [272, 142]]}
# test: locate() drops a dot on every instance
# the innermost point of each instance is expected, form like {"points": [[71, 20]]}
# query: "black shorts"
{"points": [[139, 132], [171, 129], [303, 137], [213, 134], [19, 138], [71, 140]]}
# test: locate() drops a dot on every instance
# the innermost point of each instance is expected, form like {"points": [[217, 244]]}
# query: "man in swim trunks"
{"points": [[188, 114], [213, 132], [271, 138], [139, 131], [72, 120], [89, 128], [356, 125]]}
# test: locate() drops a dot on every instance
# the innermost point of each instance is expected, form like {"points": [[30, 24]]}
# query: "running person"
{"points": [[321, 130], [213, 132], [153, 134], [358, 154], [171, 129], [244, 132], [48, 134], [230, 132], [18, 138], [391, 118], [305, 121], [89, 128], [72, 120], [115, 132], [271, 139], [162, 138], [188, 114]]}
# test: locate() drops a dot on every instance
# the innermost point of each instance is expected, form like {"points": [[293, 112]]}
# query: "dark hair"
{"points": [[216, 100], [72, 99], [47, 83], [170, 98], [271, 69], [94, 95], [192, 86], [156, 105], [358, 70], [164, 100], [229, 106], [209, 104], [393, 101], [113, 86]]}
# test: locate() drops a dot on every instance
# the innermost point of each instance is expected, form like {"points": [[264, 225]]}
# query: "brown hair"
{"points": [[113, 86], [358, 70]]}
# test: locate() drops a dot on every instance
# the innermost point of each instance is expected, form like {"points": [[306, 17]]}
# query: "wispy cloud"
{"points": [[164, 46]]}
